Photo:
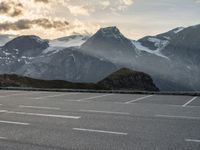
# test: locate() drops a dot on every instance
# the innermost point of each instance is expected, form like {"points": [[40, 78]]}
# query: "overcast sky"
{"points": [[56, 18]]}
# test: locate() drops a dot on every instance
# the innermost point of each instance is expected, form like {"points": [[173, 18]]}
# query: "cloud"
{"points": [[56, 17], [80, 10], [11, 8], [43, 1], [48, 28], [105, 3], [116, 5], [24, 24], [197, 1], [127, 2]]}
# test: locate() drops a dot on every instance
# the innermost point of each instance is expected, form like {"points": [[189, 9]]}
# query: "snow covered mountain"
{"points": [[33, 57], [172, 58]]}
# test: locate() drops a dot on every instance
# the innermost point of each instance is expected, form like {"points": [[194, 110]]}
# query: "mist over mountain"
{"points": [[6, 38], [171, 58], [70, 41]]}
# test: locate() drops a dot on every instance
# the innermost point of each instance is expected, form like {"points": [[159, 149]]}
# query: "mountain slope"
{"points": [[19, 81], [185, 45], [110, 44], [68, 64]]}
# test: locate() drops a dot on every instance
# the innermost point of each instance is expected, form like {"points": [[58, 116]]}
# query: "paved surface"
{"points": [[91, 121]]}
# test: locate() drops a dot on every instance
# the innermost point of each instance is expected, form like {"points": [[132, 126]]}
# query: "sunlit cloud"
{"points": [[55, 28], [11, 8], [43, 1], [24, 24], [57, 18], [127, 2], [80, 10]]}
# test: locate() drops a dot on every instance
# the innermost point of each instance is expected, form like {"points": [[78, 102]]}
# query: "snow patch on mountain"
{"points": [[52, 50], [71, 41], [160, 44], [140, 47], [179, 29]]}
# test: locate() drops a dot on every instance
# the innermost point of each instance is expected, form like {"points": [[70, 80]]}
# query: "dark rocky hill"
{"points": [[124, 79]]}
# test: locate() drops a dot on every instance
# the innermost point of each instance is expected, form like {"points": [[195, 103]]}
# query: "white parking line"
{"points": [[51, 96], [100, 131], [138, 99], [178, 117], [18, 94], [3, 138], [2, 111], [105, 112], [192, 140], [43, 115], [37, 107], [190, 101], [16, 123], [89, 98]]}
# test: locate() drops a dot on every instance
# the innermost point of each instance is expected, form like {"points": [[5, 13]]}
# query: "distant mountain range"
{"points": [[123, 79], [172, 58]]}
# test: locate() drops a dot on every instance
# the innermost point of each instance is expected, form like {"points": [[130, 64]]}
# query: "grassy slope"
{"points": [[19, 81]]}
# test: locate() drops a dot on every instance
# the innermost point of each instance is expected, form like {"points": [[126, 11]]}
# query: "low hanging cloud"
{"points": [[11, 8], [43, 1], [25, 24]]}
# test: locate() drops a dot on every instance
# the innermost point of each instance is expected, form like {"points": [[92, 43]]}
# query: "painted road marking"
{"points": [[43, 115], [105, 112], [190, 101], [3, 138], [178, 117], [138, 99], [17, 94], [52, 96], [99, 131], [37, 107], [89, 98], [2, 111], [16, 123], [192, 140]]}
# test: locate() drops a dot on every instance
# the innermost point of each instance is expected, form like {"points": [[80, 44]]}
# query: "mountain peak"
{"points": [[112, 31], [27, 42]]}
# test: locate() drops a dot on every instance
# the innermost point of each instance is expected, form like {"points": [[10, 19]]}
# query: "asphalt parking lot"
{"points": [[98, 121]]}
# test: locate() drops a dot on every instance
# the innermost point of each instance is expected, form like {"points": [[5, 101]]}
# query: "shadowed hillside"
{"points": [[19, 81], [124, 79]]}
